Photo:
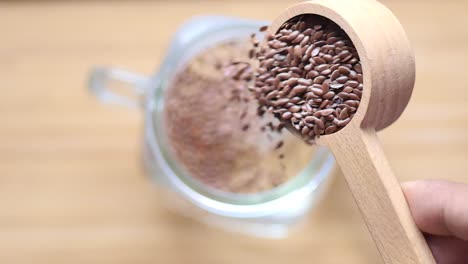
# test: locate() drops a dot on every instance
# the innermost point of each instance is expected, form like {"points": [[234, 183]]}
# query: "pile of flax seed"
{"points": [[309, 76]]}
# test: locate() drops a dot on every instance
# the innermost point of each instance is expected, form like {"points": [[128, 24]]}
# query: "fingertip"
{"points": [[438, 207], [422, 205], [409, 186]]}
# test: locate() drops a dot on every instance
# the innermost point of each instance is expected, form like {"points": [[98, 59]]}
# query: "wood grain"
{"points": [[379, 197], [389, 75], [71, 186]]}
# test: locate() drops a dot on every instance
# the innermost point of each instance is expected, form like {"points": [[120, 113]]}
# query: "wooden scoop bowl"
{"points": [[389, 74]]}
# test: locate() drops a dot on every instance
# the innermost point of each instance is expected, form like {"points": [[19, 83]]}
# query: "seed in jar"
{"points": [[279, 145]]}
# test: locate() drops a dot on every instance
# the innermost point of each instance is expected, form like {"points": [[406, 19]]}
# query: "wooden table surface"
{"points": [[72, 189]]}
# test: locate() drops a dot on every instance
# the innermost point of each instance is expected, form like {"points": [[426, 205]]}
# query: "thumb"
{"points": [[439, 207]]}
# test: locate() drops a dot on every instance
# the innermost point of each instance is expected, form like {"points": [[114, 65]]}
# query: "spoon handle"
{"points": [[379, 197]]}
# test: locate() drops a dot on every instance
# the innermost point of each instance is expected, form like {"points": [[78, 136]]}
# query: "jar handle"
{"points": [[106, 84]]}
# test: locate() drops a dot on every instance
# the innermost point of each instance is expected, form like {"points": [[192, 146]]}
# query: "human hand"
{"points": [[440, 210]]}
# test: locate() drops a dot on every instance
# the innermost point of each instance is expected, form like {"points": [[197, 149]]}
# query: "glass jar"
{"points": [[268, 213]]}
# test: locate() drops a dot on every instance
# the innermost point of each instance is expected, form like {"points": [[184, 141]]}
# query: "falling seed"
{"points": [[279, 145]]}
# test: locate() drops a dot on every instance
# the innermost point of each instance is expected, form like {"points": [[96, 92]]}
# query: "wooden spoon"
{"points": [[389, 74]]}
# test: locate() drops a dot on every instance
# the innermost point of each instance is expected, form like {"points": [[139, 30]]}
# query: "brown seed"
{"points": [[352, 75], [304, 41], [353, 60], [353, 96], [302, 25], [311, 135], [319, 79], [325, 72], [332, 40], [271, 95], [310, 119], [330, 130], [298, 89], [359, 78], [322, 67], [344, 122], [343, 95], [334, 67], [286, 116], [336, 85], [349, 57], [279, 145], [310, 95], [283, 38], [344, 70], [282, 101], [263, 28], [358, 68], [295, 100], [344, 114], [284, 76], [305, 130], [298, 39], [315, 51], [339, 44], [291, 81], [251, 53], [270, 54], [342, 79], [279, 57], [353, 84], [320, 124], [293, 35], [296, 70], [324, 104], [335, 74], [348, 89], [277, 44], [327, 47], [305, 81], [297, 115], [329, 95], [318, 35], [352, 103], [308, 31], [326, 112], [316, 130], [298, 51], [326, 86], [317, 91], [309, 50], [357, 92], [319, 61], [328, 58], [294, 109], [308, 67]]}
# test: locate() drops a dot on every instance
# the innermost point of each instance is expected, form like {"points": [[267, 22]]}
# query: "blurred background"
{"points": [[72, 188]]}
